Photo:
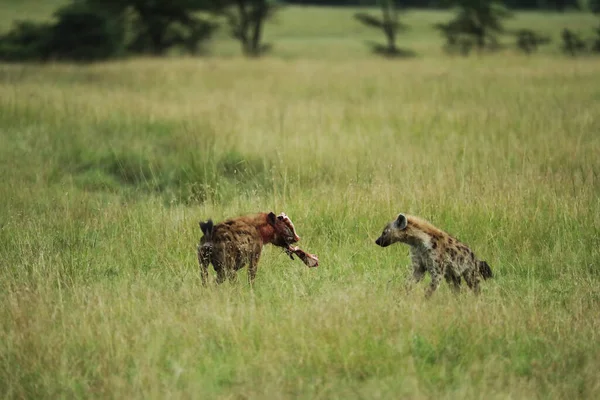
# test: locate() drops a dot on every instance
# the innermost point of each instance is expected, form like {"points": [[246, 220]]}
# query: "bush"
{"points": [[476, 24], [91, 30], [596, 41], [573, 44], [159, 25], [27, 41], [81, 33], [87, 33], [528, 40]]}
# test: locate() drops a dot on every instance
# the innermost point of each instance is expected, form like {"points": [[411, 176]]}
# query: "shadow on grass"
{"points": [[391, 53]]}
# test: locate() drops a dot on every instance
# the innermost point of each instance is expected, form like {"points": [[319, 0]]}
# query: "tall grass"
{"points": [[107, 169]]}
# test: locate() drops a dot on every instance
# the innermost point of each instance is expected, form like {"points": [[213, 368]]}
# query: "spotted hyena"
{"points": [[433, 250], [236, 242]]}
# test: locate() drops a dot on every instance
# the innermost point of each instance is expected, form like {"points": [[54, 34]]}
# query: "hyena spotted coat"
{"points": [[433, 250], [236, 242]]}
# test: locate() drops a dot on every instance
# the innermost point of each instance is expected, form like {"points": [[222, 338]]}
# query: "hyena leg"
{"points": [[454, 281], [419, 268], [472, 278], [221, 272], [204, 252], [227, 266], [232, 275], [436, 279], [252, 268], [419, 271], [220, 276]]}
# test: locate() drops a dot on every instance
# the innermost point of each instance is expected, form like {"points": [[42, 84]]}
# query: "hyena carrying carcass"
{"points": [[433, 250], [233, 243]]}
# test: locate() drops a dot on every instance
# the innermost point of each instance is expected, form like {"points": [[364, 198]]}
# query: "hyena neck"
{"points": [[421, 233], [264, 229], [420, 241], [267, 233], [419, 247]]}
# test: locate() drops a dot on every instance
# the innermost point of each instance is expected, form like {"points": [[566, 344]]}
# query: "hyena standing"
{"points": [[433, 250], [233, 243]]}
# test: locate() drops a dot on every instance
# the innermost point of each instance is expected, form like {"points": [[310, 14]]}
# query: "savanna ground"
{"points": [[106, 170]]}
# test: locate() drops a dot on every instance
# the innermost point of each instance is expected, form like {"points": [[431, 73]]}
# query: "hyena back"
{"points": [[236, 242], [435, 251]]}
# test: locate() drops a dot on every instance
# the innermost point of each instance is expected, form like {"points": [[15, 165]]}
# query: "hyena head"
{"points": [[395, 231], [283, 228]]}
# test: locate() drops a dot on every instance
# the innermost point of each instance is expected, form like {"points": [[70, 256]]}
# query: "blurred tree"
{"points": [[524, 4], [87, 33], [596, 41], [528, 40], [158, 25], [594, 7], [161, 24], [572, 42], [81, 33], [246, 19], [388, 23], [562, 5], [88, 30], [477, 23], [26, 41]]}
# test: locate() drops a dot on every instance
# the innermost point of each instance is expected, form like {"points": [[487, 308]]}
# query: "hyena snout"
{"points": [[284, 241], [382, 241]]}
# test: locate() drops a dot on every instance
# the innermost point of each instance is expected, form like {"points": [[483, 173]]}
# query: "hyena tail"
{"points": [[485, 270], [207, 228]]}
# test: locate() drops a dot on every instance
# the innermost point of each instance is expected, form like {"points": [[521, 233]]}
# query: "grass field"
{"points": [[106, 170]]}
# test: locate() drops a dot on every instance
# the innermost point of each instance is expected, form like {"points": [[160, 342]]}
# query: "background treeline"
{"points": [[559, 5], [91, 30]]}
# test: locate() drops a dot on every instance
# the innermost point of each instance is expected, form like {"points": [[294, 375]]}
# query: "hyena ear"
{"points": [[206, 227], [401, 222], [271, 218]]}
